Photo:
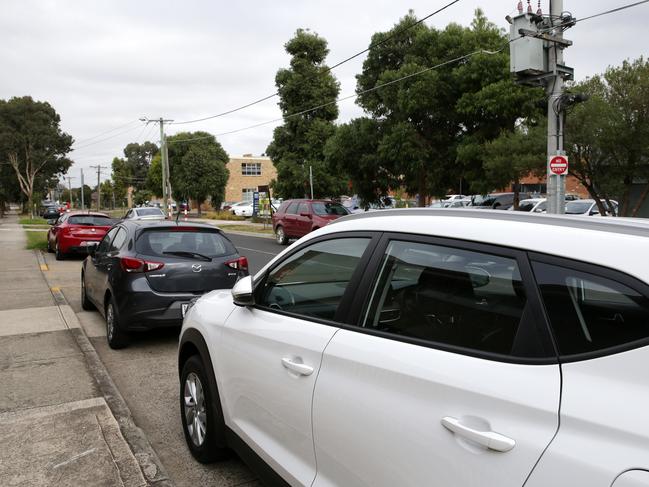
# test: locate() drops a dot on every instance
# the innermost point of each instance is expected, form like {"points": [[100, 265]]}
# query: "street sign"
{"points": [[559, 165], [255, 203]]}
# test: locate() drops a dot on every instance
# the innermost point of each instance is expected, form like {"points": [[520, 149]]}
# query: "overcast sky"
{"points": [[104, 64]]}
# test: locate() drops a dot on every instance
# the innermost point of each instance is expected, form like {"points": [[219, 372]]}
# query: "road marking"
{"points": [[255, 250], [56, 289], [44, 267]]}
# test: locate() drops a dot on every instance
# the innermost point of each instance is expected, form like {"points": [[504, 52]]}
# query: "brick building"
{"points": [[533, 184], [246, 174]]}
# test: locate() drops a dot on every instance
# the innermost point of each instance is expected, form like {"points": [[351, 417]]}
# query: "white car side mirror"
{"points": [[242, 292]]}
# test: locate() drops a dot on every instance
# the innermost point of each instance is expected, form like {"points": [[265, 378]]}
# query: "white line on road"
{"points": [[255, 250]]}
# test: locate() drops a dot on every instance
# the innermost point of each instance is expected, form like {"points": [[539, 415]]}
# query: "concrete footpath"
{"points": [[62, 421]]}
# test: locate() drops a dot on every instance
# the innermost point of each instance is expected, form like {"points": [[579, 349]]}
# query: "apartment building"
{"points": [[246, 174]]}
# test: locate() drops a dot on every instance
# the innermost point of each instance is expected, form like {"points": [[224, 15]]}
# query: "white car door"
{"points": [[601, 322], [447, 381], [269, 355]]}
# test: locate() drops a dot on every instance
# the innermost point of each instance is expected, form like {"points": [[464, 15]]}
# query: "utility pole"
{"points": [[99, 168], [556, 183], [311, 179], [536, 59], [164, 160], [70, 178], [83, 205]]}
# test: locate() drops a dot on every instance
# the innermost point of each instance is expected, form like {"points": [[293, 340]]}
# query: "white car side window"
{"points": [[312, 281]]}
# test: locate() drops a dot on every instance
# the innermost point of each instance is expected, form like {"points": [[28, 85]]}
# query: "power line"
{"points": [[355, 95], [328, 69], [83, 141], [106, 138], [572, 21], [618, 9]]}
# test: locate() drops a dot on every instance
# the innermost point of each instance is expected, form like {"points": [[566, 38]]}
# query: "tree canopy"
{"points": [[429, 129], [607, 137], [299, 143], [32, 143], [197, 167]]}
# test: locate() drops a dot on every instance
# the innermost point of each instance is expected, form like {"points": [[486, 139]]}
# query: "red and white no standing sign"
{"points": [[559, 165]]}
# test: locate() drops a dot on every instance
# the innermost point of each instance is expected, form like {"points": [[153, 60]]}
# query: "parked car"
{"points": [[243, 208], [419, 347], [454, 197], [589, 208], [496, 201], [226, 205], [296, 218], [148, 213], [144, 274], [532, 205], [75, 232], [51, 213]]}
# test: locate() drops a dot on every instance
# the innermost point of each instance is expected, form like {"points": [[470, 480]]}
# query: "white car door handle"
{"points": [[490, 439], [300, 368]]}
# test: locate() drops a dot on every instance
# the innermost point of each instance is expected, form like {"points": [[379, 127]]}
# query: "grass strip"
{"points": [[32, 221], [37, 240], [246, 228]]}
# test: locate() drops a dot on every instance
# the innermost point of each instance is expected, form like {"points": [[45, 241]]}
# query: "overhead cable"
{"points": [[326, 70], [355, 95]]}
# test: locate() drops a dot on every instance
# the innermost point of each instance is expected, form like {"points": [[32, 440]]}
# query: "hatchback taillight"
{"points": [[240, 264], [130, 264]]}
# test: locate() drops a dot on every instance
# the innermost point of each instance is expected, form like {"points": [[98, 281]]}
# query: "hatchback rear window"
{"points": [[159, 242], [90, 220], [329, 209], [149, 212]]}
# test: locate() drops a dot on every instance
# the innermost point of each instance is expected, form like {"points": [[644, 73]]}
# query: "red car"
{"points": [[296, 218], [74, 232]]}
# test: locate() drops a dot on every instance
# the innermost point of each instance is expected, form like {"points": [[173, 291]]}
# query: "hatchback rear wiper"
{"points": [[186, 253]]}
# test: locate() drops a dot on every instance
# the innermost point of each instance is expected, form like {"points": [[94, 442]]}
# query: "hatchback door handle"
{"points": [[298, 367], [489, 439]]}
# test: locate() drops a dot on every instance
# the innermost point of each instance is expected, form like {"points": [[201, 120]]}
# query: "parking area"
{"points": [[146, 374]]}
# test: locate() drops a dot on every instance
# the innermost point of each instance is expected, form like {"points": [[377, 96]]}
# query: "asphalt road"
{"points": [[258, 250], [146, 374]]}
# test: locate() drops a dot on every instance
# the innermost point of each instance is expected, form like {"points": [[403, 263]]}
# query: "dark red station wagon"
{"points": [[296, 218]]}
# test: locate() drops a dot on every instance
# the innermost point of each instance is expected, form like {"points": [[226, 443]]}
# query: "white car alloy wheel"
{"points": [[195, 413]]}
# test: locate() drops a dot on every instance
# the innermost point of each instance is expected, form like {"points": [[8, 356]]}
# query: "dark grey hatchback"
{"points": [[144, 274]]}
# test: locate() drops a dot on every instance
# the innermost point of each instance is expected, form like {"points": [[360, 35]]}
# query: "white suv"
{"points": [[431, 347]]}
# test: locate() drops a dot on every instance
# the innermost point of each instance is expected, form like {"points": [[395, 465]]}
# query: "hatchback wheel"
{"points": [[116, 337], [280, 236], [49, 246], [57, 252], [85, 302], [201, 422]]}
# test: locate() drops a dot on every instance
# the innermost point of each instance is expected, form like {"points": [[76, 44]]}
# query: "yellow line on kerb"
{"points": [[56, 289], [44, 267]]}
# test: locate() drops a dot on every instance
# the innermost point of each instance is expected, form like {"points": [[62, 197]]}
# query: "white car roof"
{"points": [[617, 243]]}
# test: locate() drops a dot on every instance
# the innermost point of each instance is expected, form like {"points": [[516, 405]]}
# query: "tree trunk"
{"points": [[641, 200], [421, 198], [198, 203], [593, 194], [517, 194], [624, 204]]}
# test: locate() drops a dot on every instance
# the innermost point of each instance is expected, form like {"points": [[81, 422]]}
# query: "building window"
{"points": [[251, 168], [246, 194]]}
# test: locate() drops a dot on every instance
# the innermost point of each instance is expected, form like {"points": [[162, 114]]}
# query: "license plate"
{"points": [[183, 308]]}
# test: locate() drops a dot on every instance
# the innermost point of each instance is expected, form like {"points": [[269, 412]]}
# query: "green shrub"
{"points": [[223, 215]]}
